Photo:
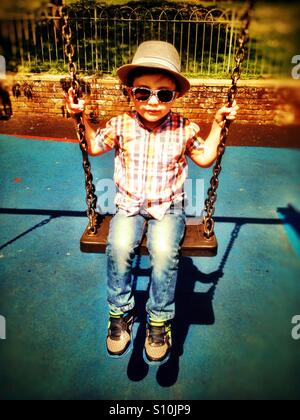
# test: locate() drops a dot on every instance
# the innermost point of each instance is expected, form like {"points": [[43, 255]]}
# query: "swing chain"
{"points": [[235, 76], [91, 198]]}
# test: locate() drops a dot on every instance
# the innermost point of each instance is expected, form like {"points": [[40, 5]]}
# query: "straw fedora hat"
{"points": [[156, 55]]}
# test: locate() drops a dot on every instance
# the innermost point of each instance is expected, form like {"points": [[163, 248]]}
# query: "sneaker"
{"points": [[119, 334], [158, 341]]}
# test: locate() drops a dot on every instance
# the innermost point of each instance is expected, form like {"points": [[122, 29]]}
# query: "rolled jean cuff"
{"points": [[162, 318], [122, 309]]}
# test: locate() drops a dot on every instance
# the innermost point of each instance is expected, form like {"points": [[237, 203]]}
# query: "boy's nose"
{"points": [[153, 99]]}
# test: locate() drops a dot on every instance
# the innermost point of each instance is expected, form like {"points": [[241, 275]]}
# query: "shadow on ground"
{"points": [[191, 308]]}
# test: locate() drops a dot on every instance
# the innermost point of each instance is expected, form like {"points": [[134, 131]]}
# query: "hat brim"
{"points": [[182, 82]]}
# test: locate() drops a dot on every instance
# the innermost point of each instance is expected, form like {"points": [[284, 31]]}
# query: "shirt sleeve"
{"points": [[106, 138], [194, 140]]}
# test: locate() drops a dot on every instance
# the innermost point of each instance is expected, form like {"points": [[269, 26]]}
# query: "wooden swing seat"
{"points": [[194, 244]]}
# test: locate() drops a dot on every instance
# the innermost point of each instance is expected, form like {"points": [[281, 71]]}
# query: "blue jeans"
{"points": [[163, 240]]}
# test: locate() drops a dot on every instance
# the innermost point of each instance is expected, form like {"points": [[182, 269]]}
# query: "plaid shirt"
{"points": [[150, 166]]}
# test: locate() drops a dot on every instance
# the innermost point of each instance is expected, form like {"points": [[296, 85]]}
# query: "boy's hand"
{"points": [[226, 112], [74, 109]]}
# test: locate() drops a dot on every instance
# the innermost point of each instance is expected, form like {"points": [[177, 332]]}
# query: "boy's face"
{"points": [[153, 111]]}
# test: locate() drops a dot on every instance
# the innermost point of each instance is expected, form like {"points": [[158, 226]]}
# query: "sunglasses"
{"points": [[142, 94]]}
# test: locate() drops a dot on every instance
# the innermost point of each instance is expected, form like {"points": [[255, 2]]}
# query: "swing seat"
{"points": [[194, 244]]}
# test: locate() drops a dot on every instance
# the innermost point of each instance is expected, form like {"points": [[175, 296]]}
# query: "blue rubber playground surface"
{"points": [[233, 331]]}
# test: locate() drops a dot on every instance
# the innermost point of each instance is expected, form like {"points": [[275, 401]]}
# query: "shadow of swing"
{"points": [[291, 217], [191, 308]]}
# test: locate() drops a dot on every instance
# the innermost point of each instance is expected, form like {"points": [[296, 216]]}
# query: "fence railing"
{"points": [[106, 37]]}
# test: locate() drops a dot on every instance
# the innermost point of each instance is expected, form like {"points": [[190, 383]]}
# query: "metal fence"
{"points": [[106, 37]]}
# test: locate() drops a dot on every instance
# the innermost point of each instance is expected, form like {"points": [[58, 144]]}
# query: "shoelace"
{"points": [[157, 335], [117, 325]]}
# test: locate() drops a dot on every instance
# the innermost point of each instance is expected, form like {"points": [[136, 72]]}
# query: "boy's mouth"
{"points": [[153, 111]]}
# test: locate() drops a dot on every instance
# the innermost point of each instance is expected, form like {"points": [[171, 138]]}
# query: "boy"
{"points": [[151, 145]]}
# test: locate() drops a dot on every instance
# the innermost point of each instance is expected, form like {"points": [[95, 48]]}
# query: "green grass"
{"points": [[275, 27]]}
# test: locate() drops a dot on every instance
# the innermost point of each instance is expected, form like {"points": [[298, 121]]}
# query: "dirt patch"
{"points": [[240, 134]]}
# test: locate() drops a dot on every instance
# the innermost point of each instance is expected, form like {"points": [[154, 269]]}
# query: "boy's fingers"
{"points": [[233, 105], [67, 98], [230, 110], [71, 92], [76, 108]]}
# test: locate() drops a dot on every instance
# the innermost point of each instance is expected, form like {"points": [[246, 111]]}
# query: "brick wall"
{"points": [[260, 102]]}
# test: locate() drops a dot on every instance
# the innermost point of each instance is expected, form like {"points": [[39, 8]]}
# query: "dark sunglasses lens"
{"points": [[165, 95], [142, 94]]}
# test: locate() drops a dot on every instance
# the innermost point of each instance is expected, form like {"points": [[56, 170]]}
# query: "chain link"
{"points": [[91, 198], [232, 91]]}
